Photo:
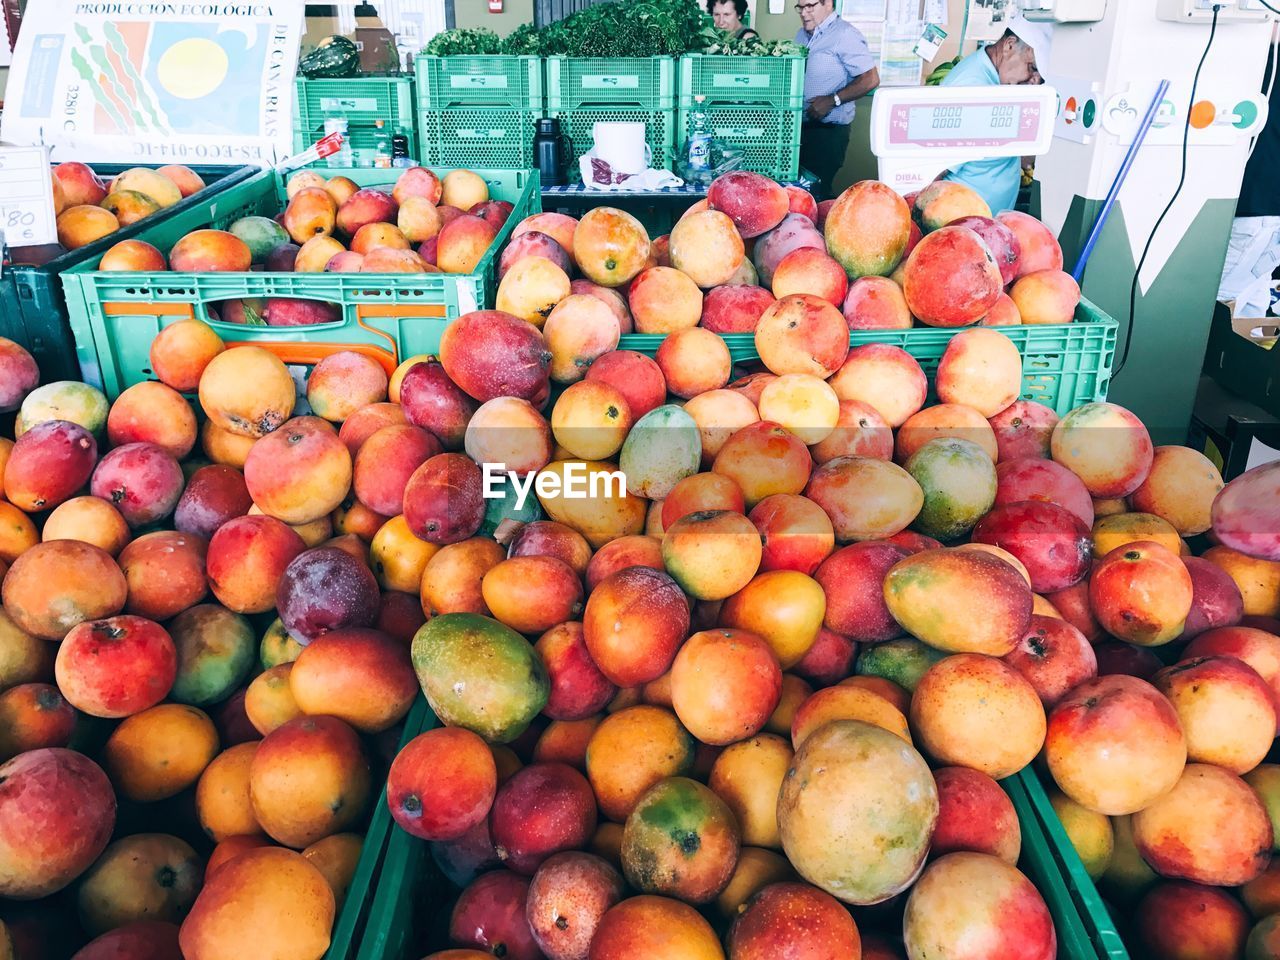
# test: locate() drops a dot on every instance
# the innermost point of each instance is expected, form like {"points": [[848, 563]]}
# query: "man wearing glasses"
{"points": [[840, 69]]}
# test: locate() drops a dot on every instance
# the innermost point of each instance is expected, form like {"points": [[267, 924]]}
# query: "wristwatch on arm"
{"points": [[836, 97]]}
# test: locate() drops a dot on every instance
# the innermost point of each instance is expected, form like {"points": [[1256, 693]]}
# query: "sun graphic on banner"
{"points": [[192, 68]]}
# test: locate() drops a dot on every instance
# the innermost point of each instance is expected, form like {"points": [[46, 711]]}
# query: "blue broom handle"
{"points": [[1121, 176]]}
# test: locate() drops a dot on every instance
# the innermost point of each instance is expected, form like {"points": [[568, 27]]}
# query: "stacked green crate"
{"points": [[478, 110], [753, 104], [362, 102], [584, 91]]}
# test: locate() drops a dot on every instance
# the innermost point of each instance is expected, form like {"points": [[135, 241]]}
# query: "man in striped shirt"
{"points": [[840, 69]]}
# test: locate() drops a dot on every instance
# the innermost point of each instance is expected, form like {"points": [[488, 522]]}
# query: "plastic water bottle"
{"points": [[343, 158], [699, 137]]}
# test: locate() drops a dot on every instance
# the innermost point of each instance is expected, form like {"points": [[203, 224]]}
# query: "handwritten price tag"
{"points": [[26, 197]]}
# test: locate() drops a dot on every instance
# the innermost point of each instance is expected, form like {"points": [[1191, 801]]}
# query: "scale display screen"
{"points": [[962, 125]]}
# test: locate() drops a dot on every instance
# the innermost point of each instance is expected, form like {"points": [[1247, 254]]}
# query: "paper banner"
{"points": [[900, 65], [155, 83]]}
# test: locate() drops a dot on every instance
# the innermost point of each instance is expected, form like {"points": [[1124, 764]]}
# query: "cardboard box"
{"points": [[1242, 356], [377, 46]]}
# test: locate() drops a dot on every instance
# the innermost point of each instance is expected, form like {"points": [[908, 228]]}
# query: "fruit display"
{"points": [[729, 659], [89, 208], [420, 223]]}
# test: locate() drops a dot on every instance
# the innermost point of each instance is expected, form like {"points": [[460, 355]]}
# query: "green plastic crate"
{"points": [[33, 310], [1096, 935], [410, 911], [408, 904], [354, 924], [494, 80], [645, 82], [776, 81], [362, 101], [1063, 365], [115, 316], [578, 124], [499, 138], [768, 136]]}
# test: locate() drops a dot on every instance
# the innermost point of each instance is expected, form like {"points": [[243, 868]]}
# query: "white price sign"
{"points": [[26, 197]]}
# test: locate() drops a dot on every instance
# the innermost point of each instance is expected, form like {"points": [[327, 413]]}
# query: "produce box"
{"points": [[1063, 366], [361, 101], [1243, 357], [492, 80], [645, 82], [1094, 933], [767, 135], [410, 913], [775, 81], [115, 316], [493, 137], [355, 925], [33, 310]]}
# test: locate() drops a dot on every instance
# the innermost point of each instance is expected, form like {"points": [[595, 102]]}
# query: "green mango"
{"points": [[260, 234], [903, 661], [64, 400], [480, 674], [662, 449], [215, 653], [959, 484], [277, 646]]}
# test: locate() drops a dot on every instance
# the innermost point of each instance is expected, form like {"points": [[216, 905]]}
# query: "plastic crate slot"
{"points": [[405, 311], [492, 136], [484, 79], [648, 83], [775, 81]]}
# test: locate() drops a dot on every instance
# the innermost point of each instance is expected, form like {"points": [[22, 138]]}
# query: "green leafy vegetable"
{"points": [[464, 40], [524, 40], [754, 47], [630, 28]]}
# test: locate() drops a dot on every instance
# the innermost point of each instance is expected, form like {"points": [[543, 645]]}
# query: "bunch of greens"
{"points": [[466, 40], [524, 40], [754, 47], [630, 28]]}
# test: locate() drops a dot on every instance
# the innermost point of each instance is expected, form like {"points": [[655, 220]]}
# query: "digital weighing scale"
{"points": [[918, 132]]}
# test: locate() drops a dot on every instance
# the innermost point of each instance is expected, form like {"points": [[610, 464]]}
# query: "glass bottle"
{"points": [[400, 151], [699, 155]]}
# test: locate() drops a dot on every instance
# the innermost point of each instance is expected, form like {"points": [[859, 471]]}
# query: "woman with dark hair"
{"points": [[728, 15]]}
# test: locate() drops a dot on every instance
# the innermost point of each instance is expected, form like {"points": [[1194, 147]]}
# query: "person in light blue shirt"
{"points": [[1013, 59], [839, 69]]}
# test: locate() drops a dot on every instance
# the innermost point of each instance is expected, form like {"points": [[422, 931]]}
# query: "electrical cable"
{"points": [[1269, 6], [1182, 180]]}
